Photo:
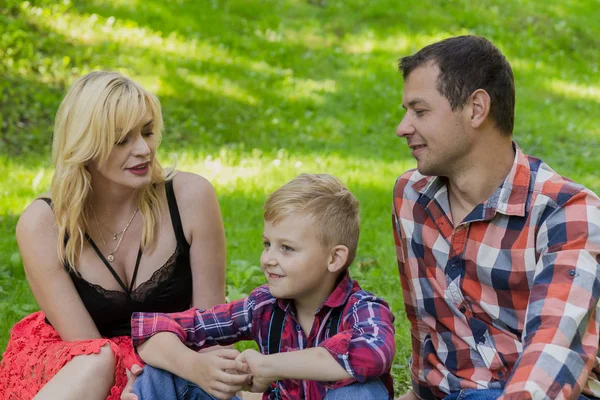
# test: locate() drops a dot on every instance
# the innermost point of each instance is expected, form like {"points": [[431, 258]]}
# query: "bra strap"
{"points": [[110, 268], [175, 217]]}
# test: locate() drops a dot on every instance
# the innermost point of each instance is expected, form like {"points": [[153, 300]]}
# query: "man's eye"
{"points": [[419, 113]]}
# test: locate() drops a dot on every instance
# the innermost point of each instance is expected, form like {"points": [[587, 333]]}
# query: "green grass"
{"points": [[255, 92]]}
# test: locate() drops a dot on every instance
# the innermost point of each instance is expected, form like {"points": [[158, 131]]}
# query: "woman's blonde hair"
{"points": [[97, 112]]}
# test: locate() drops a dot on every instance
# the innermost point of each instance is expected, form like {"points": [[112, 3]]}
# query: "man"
{"points": [[498, 254]]}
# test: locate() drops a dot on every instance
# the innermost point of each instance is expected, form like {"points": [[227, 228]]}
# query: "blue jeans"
{"points": [[155, 383], [482, 394], [370, 390]]}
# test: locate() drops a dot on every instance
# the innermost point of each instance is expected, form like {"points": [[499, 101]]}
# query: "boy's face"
{"points": [[294, 261]]}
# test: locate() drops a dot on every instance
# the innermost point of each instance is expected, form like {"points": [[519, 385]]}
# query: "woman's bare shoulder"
{"points": [[37, 235], [192, 188], [38, 216]]}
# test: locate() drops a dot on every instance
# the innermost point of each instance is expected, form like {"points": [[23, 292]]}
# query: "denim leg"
{"points": [[370, 390], [483, 394], [155, 383], [475, 394]]}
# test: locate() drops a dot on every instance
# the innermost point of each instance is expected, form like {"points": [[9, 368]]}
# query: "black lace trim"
{"points": [[143, 289]]}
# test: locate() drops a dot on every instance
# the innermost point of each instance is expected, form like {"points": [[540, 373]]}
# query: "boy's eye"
{"points": [[266, 245], [286, 249]]}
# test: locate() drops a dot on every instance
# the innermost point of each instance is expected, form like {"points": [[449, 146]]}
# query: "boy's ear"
{"points": [[338, 258]]}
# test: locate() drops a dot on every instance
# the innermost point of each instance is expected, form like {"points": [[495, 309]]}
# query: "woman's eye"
{"points": [[123, 141], [148, 134]]}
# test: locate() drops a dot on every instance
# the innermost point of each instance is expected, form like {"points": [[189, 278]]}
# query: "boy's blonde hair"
{"points": [[98, 111], [323, 197]]}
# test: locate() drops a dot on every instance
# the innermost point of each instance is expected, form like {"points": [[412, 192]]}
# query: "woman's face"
{"points": [[130, 162]]}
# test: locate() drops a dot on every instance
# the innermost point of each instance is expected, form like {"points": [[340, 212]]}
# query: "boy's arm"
{"points": [[314, 364], [365, 345], [198, 328], [363, 350]]}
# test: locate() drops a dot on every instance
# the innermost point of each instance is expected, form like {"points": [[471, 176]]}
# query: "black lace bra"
{"points": [[169, 289]]}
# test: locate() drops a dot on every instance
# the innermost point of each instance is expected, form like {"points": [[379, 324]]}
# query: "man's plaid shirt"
{"points": [[509, 297]]}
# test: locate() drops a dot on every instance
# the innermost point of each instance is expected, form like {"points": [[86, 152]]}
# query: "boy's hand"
{"points": [[254, 362], [216, 373]]}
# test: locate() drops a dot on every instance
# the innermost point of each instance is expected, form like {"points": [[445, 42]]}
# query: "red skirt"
{"points": [[35, 353]]}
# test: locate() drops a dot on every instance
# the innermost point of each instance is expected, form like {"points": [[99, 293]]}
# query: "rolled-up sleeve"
{"points": [[365, 346], [198, 328]]}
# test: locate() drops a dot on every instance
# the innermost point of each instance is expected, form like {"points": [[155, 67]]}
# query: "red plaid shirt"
{"points": [[507, 299], [364, 344]]}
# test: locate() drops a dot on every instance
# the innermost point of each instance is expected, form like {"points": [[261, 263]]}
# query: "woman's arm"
{"points": [[37, 236], [203, 228]]}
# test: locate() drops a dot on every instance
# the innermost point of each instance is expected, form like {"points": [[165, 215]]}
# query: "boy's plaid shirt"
{"points": [[364, 346], [509, 298]]}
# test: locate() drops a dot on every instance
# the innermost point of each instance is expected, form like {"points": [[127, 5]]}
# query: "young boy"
{"points": [[320, 336]]}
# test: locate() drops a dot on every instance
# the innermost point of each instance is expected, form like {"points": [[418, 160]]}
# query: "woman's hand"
{"points": [[132, 375]]}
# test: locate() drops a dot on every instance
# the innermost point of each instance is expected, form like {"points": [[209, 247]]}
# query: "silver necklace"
{"points": [[111, 254]]}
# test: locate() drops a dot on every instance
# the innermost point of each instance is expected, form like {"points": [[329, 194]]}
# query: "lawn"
{"points": [[255, 92]]}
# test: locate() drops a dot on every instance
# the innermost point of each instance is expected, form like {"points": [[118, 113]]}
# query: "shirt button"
{"points": [[201, 310], [500, 374], [463, 309], [572, 272], [298, 327]]}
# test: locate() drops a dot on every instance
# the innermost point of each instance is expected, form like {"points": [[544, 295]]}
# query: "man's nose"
{"points": [[405, 127]]}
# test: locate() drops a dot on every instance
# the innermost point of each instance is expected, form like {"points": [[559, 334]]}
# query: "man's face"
{"points": [[433, 131]]}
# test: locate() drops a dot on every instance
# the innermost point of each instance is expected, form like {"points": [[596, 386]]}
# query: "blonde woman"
{"points": [[117, 234]]}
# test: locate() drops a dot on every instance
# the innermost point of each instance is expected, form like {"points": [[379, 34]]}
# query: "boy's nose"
{"points": [[267, 259]]}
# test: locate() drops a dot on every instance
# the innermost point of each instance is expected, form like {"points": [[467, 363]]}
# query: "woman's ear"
{"points": [[338, 258], [480, 107]]}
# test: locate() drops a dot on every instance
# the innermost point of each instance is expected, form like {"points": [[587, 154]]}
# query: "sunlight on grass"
{"points": [[221, 86], [397, 44], [574, 90]]}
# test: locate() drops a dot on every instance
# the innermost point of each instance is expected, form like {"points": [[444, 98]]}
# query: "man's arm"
{"points": [[560, 337], [417, 330]]}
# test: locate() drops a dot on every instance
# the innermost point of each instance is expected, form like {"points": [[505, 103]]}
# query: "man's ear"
{"points": [[338, 258], [480, 102]]}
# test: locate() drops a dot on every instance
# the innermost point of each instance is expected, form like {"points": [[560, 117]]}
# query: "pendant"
{"points": [[110, 258], [114, 236]]}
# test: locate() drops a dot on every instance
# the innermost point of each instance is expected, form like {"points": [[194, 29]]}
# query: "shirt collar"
{"points": [[338, 297], [510, 198]]}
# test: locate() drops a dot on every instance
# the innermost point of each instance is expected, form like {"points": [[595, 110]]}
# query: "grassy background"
{"points": [[255, 92]]}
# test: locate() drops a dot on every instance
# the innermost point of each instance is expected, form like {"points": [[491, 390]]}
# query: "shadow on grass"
{"points": [[315, 97]]}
